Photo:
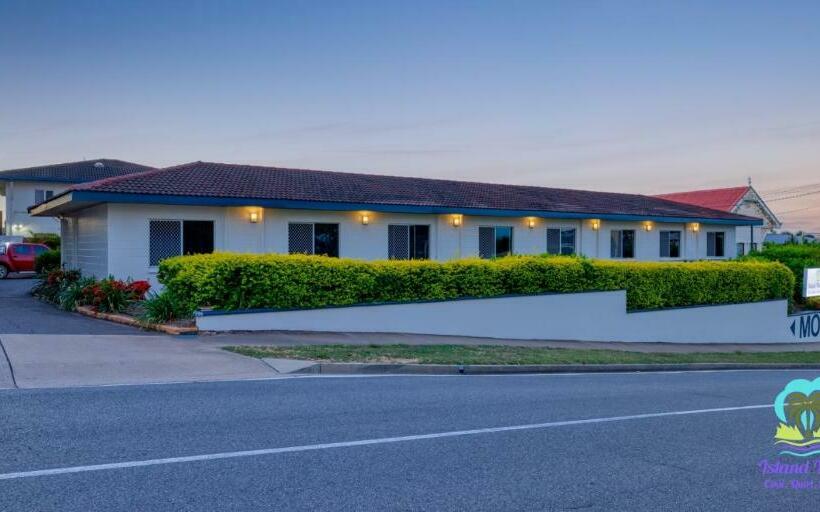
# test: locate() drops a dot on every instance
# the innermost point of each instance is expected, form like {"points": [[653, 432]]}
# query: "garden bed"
{"points": [[125, 319]]}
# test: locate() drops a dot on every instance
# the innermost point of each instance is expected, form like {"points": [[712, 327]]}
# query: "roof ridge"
{"points": [[113, 179], [702, 190], [436, 180], [78, 162]]}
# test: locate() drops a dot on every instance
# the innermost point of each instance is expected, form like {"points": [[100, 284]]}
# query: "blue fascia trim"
{"points": [[92, 196], [49, 180]]}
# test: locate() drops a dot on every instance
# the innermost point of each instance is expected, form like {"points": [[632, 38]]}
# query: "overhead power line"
{"points": [[793, 196]]}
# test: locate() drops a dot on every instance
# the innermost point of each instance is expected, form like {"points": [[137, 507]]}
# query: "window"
{"points": [[622, 243], [22, 249], [408, 242], [494, 241], [560, 241], [714, 244], [38, 250], [310, 238], [740, 249], [174, 237], [42, 195], [670, 244]]}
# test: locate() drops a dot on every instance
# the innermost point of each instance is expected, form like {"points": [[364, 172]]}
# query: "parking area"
{"points": [[20, 313]]}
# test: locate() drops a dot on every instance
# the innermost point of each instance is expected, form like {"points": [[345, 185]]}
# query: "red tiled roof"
{"points": [[219, 181], [723, 199]]}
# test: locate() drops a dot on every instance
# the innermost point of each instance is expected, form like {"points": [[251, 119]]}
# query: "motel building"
{"points": [[124, 226]]}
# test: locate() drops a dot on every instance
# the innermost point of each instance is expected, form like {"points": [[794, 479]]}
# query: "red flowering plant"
{"points": [[113, 295], [49, 286]]}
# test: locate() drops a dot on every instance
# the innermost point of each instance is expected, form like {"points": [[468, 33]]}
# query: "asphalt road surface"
{"points": [[664, 441]]}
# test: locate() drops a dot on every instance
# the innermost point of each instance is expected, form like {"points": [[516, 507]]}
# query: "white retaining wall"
{"points": [[594, 316]]}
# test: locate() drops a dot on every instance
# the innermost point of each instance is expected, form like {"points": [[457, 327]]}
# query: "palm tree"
{"points": [[803, 412]]}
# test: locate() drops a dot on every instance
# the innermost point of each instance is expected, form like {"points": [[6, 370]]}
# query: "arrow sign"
{"points": [[794, 323]]}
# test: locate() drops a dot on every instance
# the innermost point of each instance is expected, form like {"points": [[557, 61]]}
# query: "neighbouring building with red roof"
{"points": [[740, 200], [126, 225]]}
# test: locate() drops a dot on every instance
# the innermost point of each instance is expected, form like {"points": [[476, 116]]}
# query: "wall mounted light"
{"points": [[647, 226], [455, 220], [253, 216], [530, 222], [365, 219], [695, 227], [596, 224]]}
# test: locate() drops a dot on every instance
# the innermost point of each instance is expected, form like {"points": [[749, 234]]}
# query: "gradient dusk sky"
{"points": [[625, 96]]}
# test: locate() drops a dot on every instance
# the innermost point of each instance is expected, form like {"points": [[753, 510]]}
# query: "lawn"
{"points": [[489, 354]]}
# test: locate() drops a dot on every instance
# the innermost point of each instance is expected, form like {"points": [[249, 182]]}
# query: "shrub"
{"points": [[52, 283], [71, 294], [796, 257], [112, 295], [47, 261], [236, 281], [813, 303], [50, 239], [161, 308]]}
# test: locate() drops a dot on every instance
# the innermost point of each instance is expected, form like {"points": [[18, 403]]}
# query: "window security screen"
{"points": [[300, 238], [398, 242], [486, 242], [308, 238], [494, 242], [408, 242], [165, 240]]}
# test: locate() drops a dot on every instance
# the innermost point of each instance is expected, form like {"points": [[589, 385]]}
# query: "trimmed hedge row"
{"points": [[795, 256], [238, 281]]}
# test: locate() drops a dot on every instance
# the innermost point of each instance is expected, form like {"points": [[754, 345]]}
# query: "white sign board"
{"points": [[811, 282]]}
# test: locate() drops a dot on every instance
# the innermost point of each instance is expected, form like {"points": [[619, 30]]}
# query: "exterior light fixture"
{"points": [[530, 222], [253, 216], [455, 220], [695, 227], [596, 224], [365, 219], [647, 226]]}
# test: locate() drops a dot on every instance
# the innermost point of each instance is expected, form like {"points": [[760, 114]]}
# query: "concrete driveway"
{"points": [[42, 346]]}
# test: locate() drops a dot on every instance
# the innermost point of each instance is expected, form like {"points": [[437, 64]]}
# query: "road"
{"points": [[619, 459]]}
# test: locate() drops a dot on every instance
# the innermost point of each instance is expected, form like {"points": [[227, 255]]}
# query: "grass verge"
{"points": [[489, 354]]}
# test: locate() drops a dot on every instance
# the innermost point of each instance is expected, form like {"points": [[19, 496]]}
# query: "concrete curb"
{"points": [[446, 369], [133, 322]]}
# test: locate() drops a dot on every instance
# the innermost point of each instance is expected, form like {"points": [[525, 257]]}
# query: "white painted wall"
{"points": [[18, 196], [128, 240], [595, 316], [88, 241]]}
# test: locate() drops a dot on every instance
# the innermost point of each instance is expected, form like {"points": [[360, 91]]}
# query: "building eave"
{"points": [[84, 198]]}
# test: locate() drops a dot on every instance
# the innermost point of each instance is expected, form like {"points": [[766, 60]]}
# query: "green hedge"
{"points": [[237, 281], [50, 239], [47, 261], [795, 256]]}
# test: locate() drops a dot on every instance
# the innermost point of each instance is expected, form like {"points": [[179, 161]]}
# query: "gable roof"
{"points": [[208, 183], [74, 172], [724, 199]]}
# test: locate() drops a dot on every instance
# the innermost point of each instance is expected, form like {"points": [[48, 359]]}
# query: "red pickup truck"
{"points": [[19, 257]]}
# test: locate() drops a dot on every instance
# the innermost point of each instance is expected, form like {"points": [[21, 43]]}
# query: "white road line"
{"points": [[364, 442]]}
